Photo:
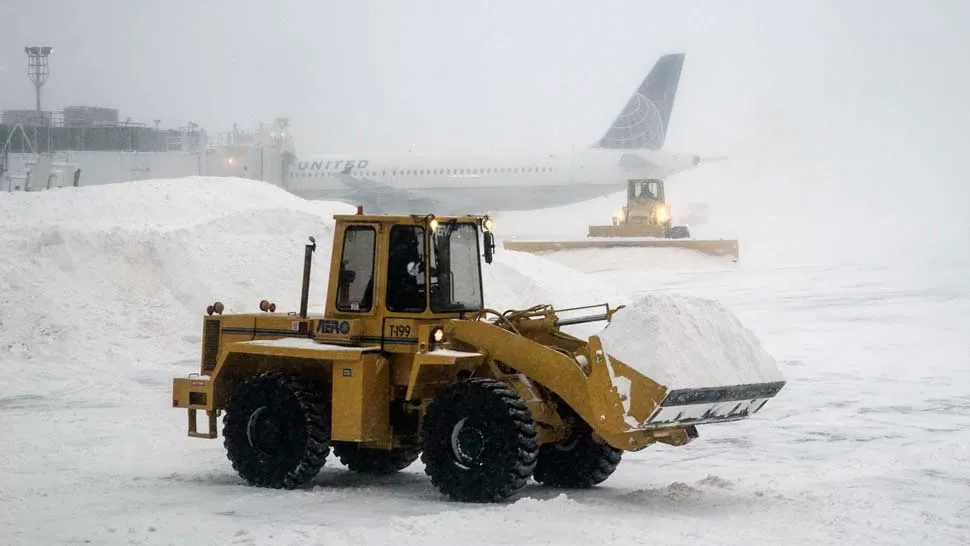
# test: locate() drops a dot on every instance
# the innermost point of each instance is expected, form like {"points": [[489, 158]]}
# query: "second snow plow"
{"points": [[645, 222]]}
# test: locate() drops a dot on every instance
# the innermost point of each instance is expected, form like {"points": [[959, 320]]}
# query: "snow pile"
{"points": [[164, 205], [103, 288], [687, 342]]}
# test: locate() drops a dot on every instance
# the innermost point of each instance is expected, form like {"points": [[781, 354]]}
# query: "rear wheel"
{"points": [[577, 462], [479, 441], [275, 435], [678, 232], [375, 461]]}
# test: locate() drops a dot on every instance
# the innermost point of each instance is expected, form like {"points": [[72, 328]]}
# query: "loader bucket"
{"points": [[715, 247], [674, 362], [662, 365]]}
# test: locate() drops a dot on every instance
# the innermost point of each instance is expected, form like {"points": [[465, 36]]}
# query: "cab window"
{"points": [[406, 270], [355, 285], [456, 280]]}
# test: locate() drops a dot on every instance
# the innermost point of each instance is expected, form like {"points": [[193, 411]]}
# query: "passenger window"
{"points": [[355, 285], [406, 270]]}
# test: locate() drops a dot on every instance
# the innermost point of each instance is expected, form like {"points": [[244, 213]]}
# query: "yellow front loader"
{"points": [[644, 222], [407, 361]]}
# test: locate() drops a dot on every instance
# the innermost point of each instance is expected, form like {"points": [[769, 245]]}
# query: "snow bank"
{"points": [[103, 288], [687, 342], [164, 205]]}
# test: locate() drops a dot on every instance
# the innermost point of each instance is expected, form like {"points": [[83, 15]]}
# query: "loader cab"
{"points": [[407, 266], [645, 190], [646, 203]]}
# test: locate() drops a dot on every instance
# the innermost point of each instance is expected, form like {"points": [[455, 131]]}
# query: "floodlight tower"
{"points": [[38, 69]]}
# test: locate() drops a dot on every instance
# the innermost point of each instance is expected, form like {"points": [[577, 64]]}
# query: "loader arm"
{"points": [[549, 367], [593, 396]]}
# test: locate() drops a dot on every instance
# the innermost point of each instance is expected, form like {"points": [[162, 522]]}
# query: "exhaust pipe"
{"points": [[307, 259]]}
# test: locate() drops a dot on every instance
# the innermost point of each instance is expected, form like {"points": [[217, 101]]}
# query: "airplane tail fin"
{"points": [[644, 120]]}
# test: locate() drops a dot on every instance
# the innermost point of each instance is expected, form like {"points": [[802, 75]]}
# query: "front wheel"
{"points": [[479, 441], [579, 462]]}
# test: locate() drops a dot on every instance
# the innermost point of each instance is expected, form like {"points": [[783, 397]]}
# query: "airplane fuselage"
{"points": [[463, 184], [632, 147]]}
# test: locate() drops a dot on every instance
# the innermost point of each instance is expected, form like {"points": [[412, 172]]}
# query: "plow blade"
{"points": [[712, 404], [715, 247]]}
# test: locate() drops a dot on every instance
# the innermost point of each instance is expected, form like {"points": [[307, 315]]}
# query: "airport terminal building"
{"points": [[89, 145]]}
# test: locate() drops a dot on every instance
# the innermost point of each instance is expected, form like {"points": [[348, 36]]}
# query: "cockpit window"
{"points": [[456, 282]]}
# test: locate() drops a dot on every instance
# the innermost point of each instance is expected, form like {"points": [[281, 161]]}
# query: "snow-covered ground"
{"points": [[101, 295]]}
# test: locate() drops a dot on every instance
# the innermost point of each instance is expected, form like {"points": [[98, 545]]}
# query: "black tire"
{"points": [[275, 434], [375, 461], [579, 462], [478, 441], [678, 232]]}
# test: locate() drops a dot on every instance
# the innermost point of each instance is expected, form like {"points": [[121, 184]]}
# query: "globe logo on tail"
{"points": [[639, 125], [643, 121]]}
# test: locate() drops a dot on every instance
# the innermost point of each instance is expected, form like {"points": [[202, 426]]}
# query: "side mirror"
{"points": [[489, 246]]}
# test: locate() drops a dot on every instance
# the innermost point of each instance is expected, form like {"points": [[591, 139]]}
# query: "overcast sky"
{"points": [[865, 93]]}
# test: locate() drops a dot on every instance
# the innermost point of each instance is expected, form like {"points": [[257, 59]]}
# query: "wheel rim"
{"points": [[568, 444], [467, 443], [264, 431]]}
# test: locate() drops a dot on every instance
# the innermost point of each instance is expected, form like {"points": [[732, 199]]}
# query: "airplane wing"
{"points": [[379, 197], [362, 184]]}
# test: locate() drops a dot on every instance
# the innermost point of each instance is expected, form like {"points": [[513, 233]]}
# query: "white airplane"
{"points": [[408, 183]]}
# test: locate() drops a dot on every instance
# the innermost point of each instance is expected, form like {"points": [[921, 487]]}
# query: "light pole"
{"points": [[38, 69]]}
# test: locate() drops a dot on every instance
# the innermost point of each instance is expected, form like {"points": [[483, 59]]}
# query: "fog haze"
{"points": [[842, 105]]}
